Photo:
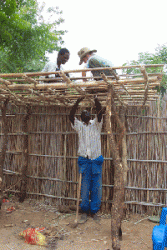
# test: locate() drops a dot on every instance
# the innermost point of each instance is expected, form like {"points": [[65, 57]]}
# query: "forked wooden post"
{"points": [[23, 187], [118, 197], [5, 128]]}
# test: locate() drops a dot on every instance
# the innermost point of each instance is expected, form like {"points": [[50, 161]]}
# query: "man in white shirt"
{"points": [[90, 159], [62, 58]]}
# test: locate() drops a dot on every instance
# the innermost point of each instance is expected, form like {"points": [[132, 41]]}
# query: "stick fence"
{"points": [[52, 172], [45, 146]]}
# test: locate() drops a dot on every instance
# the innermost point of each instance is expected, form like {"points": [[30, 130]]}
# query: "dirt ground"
{"points": [[59, 234]]}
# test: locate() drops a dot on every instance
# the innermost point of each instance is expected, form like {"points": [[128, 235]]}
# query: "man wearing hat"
{"points": [[94, 61]]}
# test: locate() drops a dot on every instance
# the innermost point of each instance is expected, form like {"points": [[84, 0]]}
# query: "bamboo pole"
{"points": [[79, 84], [118, 197], [75, 157], [5, 126], [9, 172], [82, 78], [23, 187], [77, 70], [75, 199]]}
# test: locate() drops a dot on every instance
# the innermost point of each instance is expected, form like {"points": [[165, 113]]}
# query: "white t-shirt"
{"points": [[89, 138], [50, 67]]}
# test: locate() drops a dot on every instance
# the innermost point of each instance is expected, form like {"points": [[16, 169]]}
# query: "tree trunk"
{"points": [[23, 187], [118, 197], [5, 128]]}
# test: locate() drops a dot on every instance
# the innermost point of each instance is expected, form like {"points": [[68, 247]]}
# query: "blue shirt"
{"points": [[96, 62]]}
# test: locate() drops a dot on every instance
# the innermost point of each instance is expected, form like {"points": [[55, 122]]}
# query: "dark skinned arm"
{"points": [[74, 108], [99, 111]]}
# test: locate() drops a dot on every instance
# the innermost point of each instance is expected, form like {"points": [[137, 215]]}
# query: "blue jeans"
{"points": [[91, 183]]}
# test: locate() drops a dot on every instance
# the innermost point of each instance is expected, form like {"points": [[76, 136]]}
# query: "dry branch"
{"points": [[30, 80], [79, 90], [143, 70], [117, 95], [25, 157], [5, 125]]}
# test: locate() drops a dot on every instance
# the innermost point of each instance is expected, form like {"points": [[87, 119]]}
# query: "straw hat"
{"points": [[83, 52]]}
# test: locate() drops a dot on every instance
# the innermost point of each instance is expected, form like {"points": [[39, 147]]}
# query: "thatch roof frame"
{"points": [[29, 88]]}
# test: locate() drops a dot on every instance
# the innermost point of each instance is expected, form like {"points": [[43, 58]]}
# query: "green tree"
{"points": [[25, 36], [159, 57]]}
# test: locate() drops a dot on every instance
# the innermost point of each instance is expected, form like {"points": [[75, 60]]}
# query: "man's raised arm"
{"points": [[99, 110], [74, 108]]}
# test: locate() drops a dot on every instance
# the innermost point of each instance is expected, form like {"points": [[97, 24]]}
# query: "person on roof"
{"points": [[94, 61], [62, 58], [90, 159]]}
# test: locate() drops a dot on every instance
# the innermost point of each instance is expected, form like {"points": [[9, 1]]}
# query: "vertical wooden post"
{"points": [[118, 197], [63, 171], [5, 128], [123, 145], [23, 187]]}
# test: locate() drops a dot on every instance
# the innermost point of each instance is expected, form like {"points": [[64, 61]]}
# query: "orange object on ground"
{"points": [[33, 237], [5, 200], [11, 209]]}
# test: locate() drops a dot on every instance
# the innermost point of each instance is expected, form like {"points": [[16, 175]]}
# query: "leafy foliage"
{"points": [[159, 57], [25, 36]]}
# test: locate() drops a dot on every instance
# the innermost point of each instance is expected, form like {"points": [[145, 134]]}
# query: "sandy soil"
{"points": [[60, 235]]}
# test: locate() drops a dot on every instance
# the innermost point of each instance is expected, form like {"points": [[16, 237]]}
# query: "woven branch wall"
{"points": [[52, 167]]}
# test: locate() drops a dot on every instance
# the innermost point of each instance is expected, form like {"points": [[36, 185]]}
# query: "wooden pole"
{"points": [[5, 127], [124, 148], [25, 156], [151, 80], [78, 196], [118, 197], [76, 70]]}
